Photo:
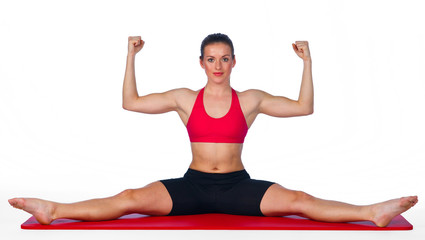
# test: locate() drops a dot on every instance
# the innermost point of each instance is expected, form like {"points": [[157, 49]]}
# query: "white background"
{"points": [[65, 137]]}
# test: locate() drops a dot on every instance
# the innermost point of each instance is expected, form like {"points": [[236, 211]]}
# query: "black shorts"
{"points": [[232, 193]]}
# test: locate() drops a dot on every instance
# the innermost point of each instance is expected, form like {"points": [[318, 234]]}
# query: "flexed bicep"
{"points": [[284, 107], [278, 106], [153, 103]]}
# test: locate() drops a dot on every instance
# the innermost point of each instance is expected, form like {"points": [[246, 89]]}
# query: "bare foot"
{"points": [[42, 210], [384, 212]]}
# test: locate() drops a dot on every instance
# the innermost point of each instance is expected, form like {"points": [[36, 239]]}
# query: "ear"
{"points": [[201, 61], [234, 61]]}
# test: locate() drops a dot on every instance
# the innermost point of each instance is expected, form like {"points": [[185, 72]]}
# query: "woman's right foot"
{"points": [[42, 210]]}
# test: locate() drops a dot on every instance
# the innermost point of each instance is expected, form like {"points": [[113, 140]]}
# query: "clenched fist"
{"points": [[302, 50], [135, 44]]}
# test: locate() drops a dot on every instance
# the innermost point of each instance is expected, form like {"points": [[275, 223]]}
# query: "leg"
{"points": [[279, 201], [152, 200]]}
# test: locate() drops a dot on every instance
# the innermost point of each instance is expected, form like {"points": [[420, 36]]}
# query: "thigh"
{"points": [[244, 198], [188, 197], [279, 201], [152, 199]]}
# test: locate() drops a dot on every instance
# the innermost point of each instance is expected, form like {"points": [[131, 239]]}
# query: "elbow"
{"points": [[306, 109], [309, 111], [127, 106]]}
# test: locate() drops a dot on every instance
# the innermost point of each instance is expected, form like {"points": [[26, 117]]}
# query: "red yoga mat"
{"points": [[213, 222]]}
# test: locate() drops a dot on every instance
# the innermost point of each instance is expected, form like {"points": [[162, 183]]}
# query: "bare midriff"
{"points": [[216, 157]]}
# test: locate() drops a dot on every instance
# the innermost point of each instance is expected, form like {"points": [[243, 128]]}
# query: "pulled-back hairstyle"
{"points": [[216, 38]]}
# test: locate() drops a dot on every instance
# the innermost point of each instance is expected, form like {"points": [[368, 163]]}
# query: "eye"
{"points": [[225, 59], [210, 60]]}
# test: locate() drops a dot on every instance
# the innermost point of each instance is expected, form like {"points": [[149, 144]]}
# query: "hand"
{"points": [[302, 50], [135, 44]]}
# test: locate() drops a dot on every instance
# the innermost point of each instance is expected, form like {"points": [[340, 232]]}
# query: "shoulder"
{"points": [[251, 99], [180, 93], [184, 97], [252, 95]]}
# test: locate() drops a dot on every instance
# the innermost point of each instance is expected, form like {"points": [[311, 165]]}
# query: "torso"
{"points": [[216, 157]]}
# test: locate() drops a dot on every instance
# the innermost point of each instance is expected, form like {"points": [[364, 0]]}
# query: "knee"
{"points": [[126, 195], [301, 201], [136, 198], [300, 196]]}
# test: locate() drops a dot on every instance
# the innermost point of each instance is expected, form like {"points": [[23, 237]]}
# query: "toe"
{"points": [[16, 203], [13, 202]]}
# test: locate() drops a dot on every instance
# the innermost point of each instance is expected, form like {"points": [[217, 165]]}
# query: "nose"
{"points": [[218, 65]]}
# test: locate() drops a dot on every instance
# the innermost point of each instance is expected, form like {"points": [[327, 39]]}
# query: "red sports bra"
{"points": [[231, 128]]}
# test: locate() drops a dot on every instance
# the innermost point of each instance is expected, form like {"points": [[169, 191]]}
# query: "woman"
{"points": [[217, 119]]}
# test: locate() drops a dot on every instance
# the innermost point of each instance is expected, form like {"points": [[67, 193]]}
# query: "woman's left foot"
{"points": [[384, 212]]}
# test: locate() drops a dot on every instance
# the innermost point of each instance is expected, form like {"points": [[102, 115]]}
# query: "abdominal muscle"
{"points": [[216, 157]]}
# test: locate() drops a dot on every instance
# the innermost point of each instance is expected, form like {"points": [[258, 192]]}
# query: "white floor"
{"points": [[10, 221]]}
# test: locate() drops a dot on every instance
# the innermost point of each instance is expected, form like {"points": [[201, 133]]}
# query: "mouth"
{"points": [[218, 74]]}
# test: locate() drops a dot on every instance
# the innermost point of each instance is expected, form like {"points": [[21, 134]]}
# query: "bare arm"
{"points": [[152, 103], [285, 107]]}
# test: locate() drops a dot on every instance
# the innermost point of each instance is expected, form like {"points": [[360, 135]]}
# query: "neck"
{"points": [[218, 89]]}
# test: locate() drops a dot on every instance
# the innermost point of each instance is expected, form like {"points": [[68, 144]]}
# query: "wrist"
{"points": [[131, 55], [307, 61]]}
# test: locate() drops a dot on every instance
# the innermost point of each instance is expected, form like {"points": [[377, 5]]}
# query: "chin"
{"points": [[219, 80]]}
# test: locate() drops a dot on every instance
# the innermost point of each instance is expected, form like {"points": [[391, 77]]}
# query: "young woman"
{"points": [[217, 119]]}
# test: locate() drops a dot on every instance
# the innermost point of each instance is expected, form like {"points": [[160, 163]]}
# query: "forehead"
{"points": [[219, 49]]}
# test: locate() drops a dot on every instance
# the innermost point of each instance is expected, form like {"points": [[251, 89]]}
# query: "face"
{"points": [[218, 62]]}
